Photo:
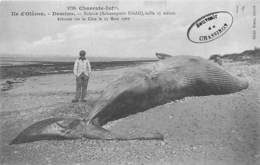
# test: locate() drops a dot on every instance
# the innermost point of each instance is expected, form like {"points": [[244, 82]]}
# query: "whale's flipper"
{"points": [[71, 128]]}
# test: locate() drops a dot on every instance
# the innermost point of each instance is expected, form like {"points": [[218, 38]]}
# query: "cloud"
{"points": [[48, 40], [100, 38], [97, 30]]}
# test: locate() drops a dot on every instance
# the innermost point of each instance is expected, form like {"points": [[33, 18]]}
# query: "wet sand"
{"points": [[198, 130]]}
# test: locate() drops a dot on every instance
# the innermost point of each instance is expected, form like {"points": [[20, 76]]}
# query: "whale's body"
{"points": [[138, 90]]}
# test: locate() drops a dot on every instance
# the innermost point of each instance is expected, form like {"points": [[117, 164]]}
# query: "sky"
{"points": [[141, 36]]}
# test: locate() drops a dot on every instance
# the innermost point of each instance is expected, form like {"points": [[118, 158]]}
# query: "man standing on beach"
{"points": [[82, 71]]}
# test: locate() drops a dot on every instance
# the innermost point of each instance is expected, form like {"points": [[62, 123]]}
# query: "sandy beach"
{"points": [[198, 130]]}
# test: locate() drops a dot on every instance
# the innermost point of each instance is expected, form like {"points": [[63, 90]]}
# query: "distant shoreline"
{"points": [[21, 67], [36, 68]]}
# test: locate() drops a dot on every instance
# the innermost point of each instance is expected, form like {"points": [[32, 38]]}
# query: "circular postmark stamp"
{"points": [[210, 27]]}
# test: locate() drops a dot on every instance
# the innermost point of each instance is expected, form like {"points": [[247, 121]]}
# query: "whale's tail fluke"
{"points": [[71, 128], [48, 129]]}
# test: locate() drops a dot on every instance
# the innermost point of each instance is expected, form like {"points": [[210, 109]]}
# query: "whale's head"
{"points": [[184, 70]]}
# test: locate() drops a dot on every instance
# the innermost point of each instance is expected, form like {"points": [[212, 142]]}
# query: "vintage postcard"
{"points": [[130, 82]]}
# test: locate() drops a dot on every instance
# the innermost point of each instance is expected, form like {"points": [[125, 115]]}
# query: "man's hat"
{"points": [[82, 53]]}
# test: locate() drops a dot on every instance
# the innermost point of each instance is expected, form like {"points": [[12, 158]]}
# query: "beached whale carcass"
{"points": [[136, 91]]}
